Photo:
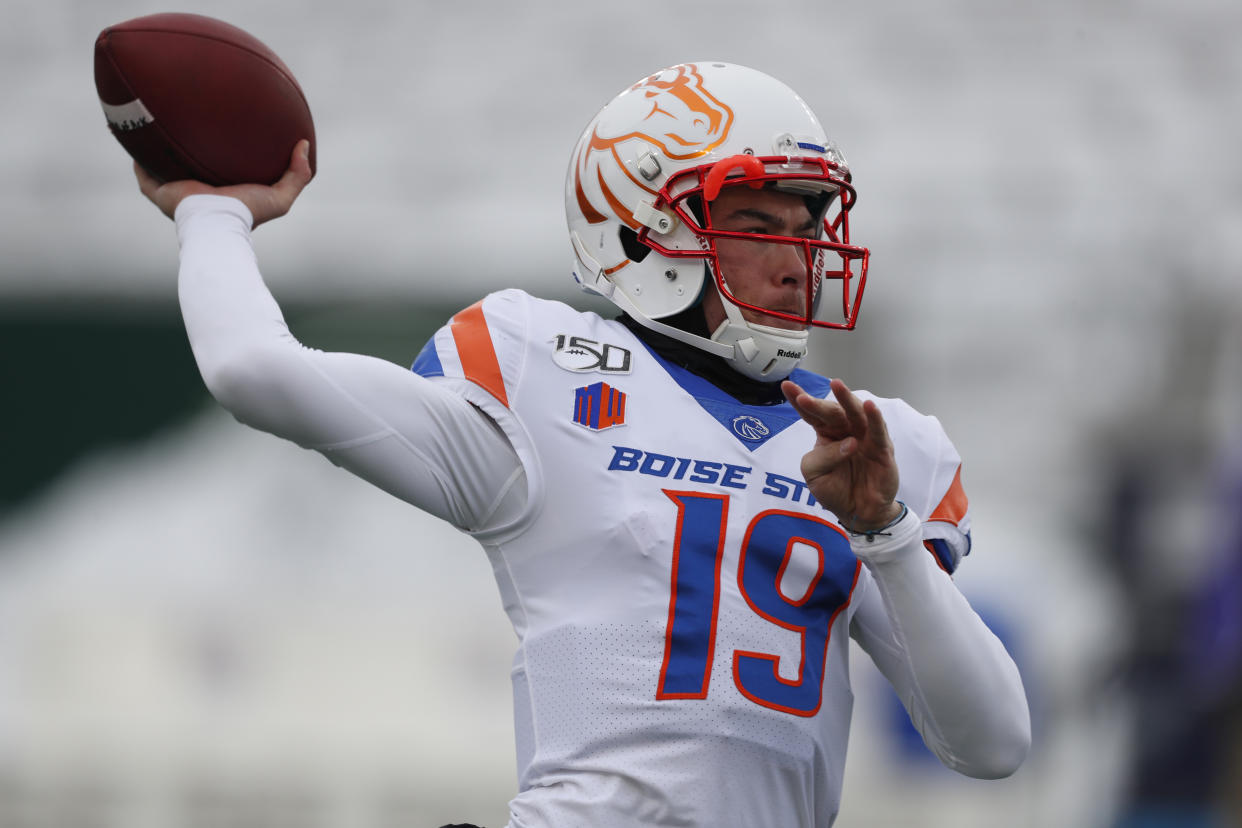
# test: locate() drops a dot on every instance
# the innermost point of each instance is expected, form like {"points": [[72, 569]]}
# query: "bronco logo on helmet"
{"points": [[675, 113]]}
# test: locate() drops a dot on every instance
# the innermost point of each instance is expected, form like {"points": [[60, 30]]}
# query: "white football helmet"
{"points": [[638, 200]]}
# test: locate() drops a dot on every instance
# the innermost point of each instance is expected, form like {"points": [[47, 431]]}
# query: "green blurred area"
{"points": [[80, 379]]}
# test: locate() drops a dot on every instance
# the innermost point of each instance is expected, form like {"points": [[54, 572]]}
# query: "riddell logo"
{"points": [[781, 352]]}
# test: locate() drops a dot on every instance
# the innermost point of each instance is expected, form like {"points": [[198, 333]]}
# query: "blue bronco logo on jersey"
{"points": [[750, 428]]}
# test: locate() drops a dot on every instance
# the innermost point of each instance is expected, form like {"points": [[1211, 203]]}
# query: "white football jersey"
{"points": [[683, 604]]}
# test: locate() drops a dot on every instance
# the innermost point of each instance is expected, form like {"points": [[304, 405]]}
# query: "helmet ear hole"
{"points": [[635, 250]]}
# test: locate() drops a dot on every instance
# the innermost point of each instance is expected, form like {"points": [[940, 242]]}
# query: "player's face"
{"points": [[767, 274]]}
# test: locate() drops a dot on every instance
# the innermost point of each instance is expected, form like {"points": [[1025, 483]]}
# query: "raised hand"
{"points": [[851, 468], [264, 202]]}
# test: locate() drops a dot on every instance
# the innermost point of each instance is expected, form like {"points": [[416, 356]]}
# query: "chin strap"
{"points": [[722, 350], [760, 352]]}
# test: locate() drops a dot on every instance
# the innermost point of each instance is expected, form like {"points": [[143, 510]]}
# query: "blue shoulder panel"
{"points": [[428, 361]]}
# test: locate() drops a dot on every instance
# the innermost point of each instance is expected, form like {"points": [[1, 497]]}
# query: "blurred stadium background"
{"points": [[202, 626]]}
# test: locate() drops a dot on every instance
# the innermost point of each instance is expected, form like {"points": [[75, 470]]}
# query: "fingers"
{"points": [[299, 173], [865, 420], [146, 182], [851, 469], [849, 420], [792, 390], [851, 405], [826, 458], [155, 191], [877, 429], [158, 192], [267, 203], [825, 416]]}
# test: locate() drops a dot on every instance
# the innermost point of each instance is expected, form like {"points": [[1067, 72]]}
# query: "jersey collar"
{"points": [[751, 425]]}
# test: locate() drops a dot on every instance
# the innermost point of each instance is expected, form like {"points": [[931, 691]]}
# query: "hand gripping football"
{"points": [[193, 97]]}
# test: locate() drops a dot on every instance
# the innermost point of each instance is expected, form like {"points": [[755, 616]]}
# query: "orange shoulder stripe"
{"points": [[478, 355], [953, 505]]}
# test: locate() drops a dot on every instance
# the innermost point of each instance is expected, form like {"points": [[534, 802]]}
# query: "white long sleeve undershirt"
{"points": [[409, 436], [961, 688]]}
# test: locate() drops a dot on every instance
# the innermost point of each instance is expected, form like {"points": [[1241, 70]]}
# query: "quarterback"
{"points": [[686, 527]]}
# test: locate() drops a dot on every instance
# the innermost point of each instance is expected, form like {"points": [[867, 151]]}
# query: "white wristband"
{"points": [[886, 543]]}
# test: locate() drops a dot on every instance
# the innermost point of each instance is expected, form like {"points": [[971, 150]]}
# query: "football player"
{"points": [[686, 527]]}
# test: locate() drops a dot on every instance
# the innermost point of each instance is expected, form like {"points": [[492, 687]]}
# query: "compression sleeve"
{"points": [[961, 688], [411, 437]]}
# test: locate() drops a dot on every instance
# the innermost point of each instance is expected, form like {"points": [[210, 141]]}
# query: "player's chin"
{"points": [[771, 321]]}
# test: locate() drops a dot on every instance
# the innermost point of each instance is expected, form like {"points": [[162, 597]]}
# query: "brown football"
{"points": [[193, 97]]}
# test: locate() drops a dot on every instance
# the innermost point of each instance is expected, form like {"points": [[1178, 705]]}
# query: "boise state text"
{"points": [[710, 472]]}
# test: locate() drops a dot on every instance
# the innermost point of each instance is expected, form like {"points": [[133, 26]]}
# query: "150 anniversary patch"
{"points": [[581, 355]]}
